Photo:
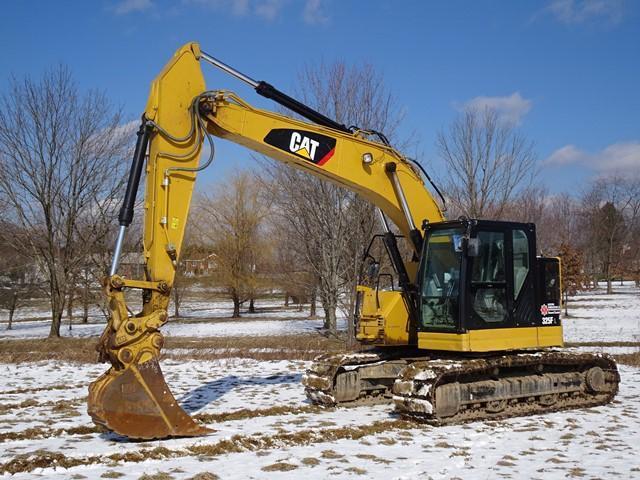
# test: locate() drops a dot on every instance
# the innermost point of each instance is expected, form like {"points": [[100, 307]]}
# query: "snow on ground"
{"points": [[591, 443], [43, 414], [201, 329], [595, 316]]}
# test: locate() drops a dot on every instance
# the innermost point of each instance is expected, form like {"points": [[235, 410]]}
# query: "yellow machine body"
{"points": [[132, 343]]}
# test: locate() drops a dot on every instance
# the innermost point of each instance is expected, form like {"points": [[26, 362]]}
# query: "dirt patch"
{"points": [[279, 467]]}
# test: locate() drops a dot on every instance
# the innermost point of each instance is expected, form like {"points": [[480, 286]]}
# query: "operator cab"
{"points": [[480, 274]]}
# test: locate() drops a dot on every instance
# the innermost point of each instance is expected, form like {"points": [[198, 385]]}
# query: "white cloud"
{"points": [[313, 13], [618, 158], [622, 157], [266, 9], [510, 109], [269, 9], [127, 6], [564, 156], [582, 11], [239, 7], [235, 7]]}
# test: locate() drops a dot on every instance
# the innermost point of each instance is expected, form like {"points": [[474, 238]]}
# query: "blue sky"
{"points": [[567, 72]]}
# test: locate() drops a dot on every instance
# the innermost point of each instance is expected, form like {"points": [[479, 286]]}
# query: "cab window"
{"points": [[488, 283], [520, 261], [441, 279]]}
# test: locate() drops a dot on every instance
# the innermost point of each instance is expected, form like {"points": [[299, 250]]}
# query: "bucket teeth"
{"points": [[136, 402]]}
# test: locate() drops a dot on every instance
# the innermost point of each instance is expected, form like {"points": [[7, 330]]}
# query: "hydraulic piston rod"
{"points": [[126, 211], [269, 91]]}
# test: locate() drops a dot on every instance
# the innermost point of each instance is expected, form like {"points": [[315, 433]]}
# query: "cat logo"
{"points": [[311, 146], [303, 146]]}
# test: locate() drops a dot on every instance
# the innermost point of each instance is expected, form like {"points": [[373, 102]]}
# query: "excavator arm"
{"points": [[132, 398]]}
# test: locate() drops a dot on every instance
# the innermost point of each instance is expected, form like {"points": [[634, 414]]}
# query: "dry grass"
{"points": [[41, 389], [263, 412], [208, 418], [157, 476], [602, 344], [279, 467], [356, 470], [374, 458], [7, 407], [82, 350], [631, 359], [331, 454], [34, 350], [37, 432], [112, 474]]}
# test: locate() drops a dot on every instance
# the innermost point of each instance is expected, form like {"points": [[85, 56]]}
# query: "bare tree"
{"points": [[611, 209], [330, 225], [18, 281], [61, 171], [487, 162], [572, 265], [231, 220]]}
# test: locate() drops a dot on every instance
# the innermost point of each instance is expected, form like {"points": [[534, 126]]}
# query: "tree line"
{"points": [[64, 156]]}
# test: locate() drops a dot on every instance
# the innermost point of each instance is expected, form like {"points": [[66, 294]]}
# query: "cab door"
{"points": [[489, 293], [501, 286]]}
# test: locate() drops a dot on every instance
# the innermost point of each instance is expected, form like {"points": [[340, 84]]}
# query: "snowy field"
{"points": [[44, 427], [264, 427], [595, 316]]}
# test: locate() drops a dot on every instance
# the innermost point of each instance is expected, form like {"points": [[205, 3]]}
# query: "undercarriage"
{"points": [[445, 389]]}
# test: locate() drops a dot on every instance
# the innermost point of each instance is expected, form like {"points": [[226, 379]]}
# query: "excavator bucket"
{"points": [[136, 402]]}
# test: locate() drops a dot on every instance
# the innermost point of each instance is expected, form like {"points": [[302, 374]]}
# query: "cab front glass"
{"points": [[440, 280]]}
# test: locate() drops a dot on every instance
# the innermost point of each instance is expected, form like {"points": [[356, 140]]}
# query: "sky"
{"points": [[566, 73]]}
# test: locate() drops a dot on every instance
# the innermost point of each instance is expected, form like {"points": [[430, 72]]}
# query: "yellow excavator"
{"points": [[467, 326]]}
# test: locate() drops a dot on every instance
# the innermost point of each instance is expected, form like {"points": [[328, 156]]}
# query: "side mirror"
{"points": [[373, 269], [473, 247]]}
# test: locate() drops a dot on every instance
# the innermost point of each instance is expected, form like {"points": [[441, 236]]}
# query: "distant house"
{"points": [[196, 267]]}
